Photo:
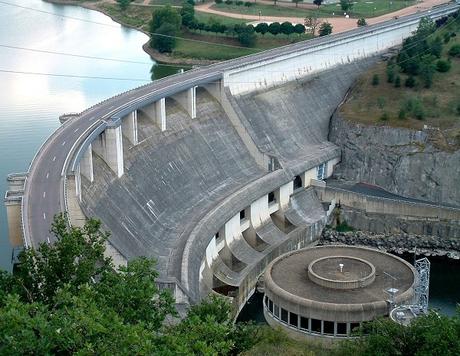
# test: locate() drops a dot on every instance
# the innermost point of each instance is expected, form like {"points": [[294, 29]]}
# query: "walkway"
{"points": [[339, 24]]}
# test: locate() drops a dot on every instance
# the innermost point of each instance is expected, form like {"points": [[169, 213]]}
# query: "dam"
{"points": [[211, 172]]}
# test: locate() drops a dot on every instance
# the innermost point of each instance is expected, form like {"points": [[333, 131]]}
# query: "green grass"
{"points": [[362, 8], [135, 16], [205, 17]]}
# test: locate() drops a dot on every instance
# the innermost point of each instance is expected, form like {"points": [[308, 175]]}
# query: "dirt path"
{"points": [[339, 24]]}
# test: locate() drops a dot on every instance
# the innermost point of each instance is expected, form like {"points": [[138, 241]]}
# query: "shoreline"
{"points": [[156, 56]]}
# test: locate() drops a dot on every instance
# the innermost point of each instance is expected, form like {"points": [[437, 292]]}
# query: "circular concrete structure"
{"points": [[341, 272], [327, 291]]}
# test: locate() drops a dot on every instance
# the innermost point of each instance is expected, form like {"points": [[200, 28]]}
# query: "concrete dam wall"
{"points": [[194, 197]]}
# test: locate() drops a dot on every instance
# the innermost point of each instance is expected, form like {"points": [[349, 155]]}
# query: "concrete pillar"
{"points": [[129, 127], [109, 146], [86, 164], [283, 195], [13, 200], [114, 149], [258, 212], [308, 176], [215, 89], [77, 183], [187, 99], [160, 114]]}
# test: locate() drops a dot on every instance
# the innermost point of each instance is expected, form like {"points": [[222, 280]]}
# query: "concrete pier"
{"points": [[129, 127], [187, 99]]}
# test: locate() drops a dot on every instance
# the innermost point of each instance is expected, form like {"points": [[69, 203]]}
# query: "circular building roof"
{"points": [[340, 279]]}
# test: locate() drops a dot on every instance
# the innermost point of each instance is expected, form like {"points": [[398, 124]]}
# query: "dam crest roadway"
{"points": [[242, 198]]}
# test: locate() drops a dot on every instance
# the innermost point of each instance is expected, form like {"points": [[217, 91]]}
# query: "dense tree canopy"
{"points": [[68, 298]]}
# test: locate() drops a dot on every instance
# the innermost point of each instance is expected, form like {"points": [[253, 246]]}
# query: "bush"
{"points": [[165, 43], [410, 82], [402, 114], [384, 116], [218, 1], [361, 22], [262, 28], [247, 37], [442, 66], [325, 29], [274, 28], [390, 74], [375, 80], [454, 51], [229, 2], [286, 28], [248, 4], [381, 102], [415, 107], [398, 82], [239, 3]]}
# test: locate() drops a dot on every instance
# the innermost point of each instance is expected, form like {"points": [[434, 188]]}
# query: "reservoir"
{"points": [[32, 33], [45, 71]]}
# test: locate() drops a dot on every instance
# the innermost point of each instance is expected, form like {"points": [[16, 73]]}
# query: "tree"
{"points": [[362, 22], [346, 5], [123, 4], [187, 13], [164, 38], [274, 28], [286, 28], [325, 29], [297, 2], [454, 51], [318, 2], [262, 28], [97, 310], [312, 23], [432, 334], [299, 29], [165, 15], [247, 37]]}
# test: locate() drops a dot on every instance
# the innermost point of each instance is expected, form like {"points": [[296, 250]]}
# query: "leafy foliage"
{"points": [[361, 22], [325, 29], [67, 298]]}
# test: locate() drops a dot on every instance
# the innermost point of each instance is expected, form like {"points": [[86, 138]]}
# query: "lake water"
{"points": [[30, 105]]}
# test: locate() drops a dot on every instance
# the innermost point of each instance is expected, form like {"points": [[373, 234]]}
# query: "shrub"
{"points": [[375, 80], [398, 82], [390, 74], [410, 82], [402, 114], [325, 29], [229, 2], [362, 22], [454, 51], [247, 37], [262, 28], [239, 3], [218, 1], [457, 111], [384, 116], [381, 102], [274, 28], [248, 4], [419, 112], [442, 66]]}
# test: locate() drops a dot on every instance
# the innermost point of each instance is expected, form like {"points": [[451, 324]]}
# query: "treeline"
{"points": [[167, 22]]}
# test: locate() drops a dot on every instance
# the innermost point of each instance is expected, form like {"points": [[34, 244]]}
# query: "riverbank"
{"points": [[158, 57], [398, 244]]}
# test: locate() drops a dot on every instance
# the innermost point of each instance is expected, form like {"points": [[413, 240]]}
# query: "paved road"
{"points": [[43, 196]]}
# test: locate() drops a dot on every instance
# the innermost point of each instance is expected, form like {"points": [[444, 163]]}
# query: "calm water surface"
{"points": [[31, 104]]}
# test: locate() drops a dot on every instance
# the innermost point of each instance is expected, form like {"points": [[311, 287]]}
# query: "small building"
{"points": [[327, 291]]}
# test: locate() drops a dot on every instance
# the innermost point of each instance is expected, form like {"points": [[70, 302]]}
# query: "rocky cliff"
{"points": [[419, 164]]}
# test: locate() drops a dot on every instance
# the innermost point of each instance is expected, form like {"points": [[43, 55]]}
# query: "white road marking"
{"points": [[76, 129], [47, 175], [44, 194], [48, 239], [44, 216], [54, 158], [63, 143]]}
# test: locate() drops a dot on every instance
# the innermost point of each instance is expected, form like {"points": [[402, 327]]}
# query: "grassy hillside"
{"points": [[374, 100]]}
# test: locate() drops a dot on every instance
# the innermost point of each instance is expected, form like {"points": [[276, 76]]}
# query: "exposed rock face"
{"points": [[426, 245], [406, 162]]}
